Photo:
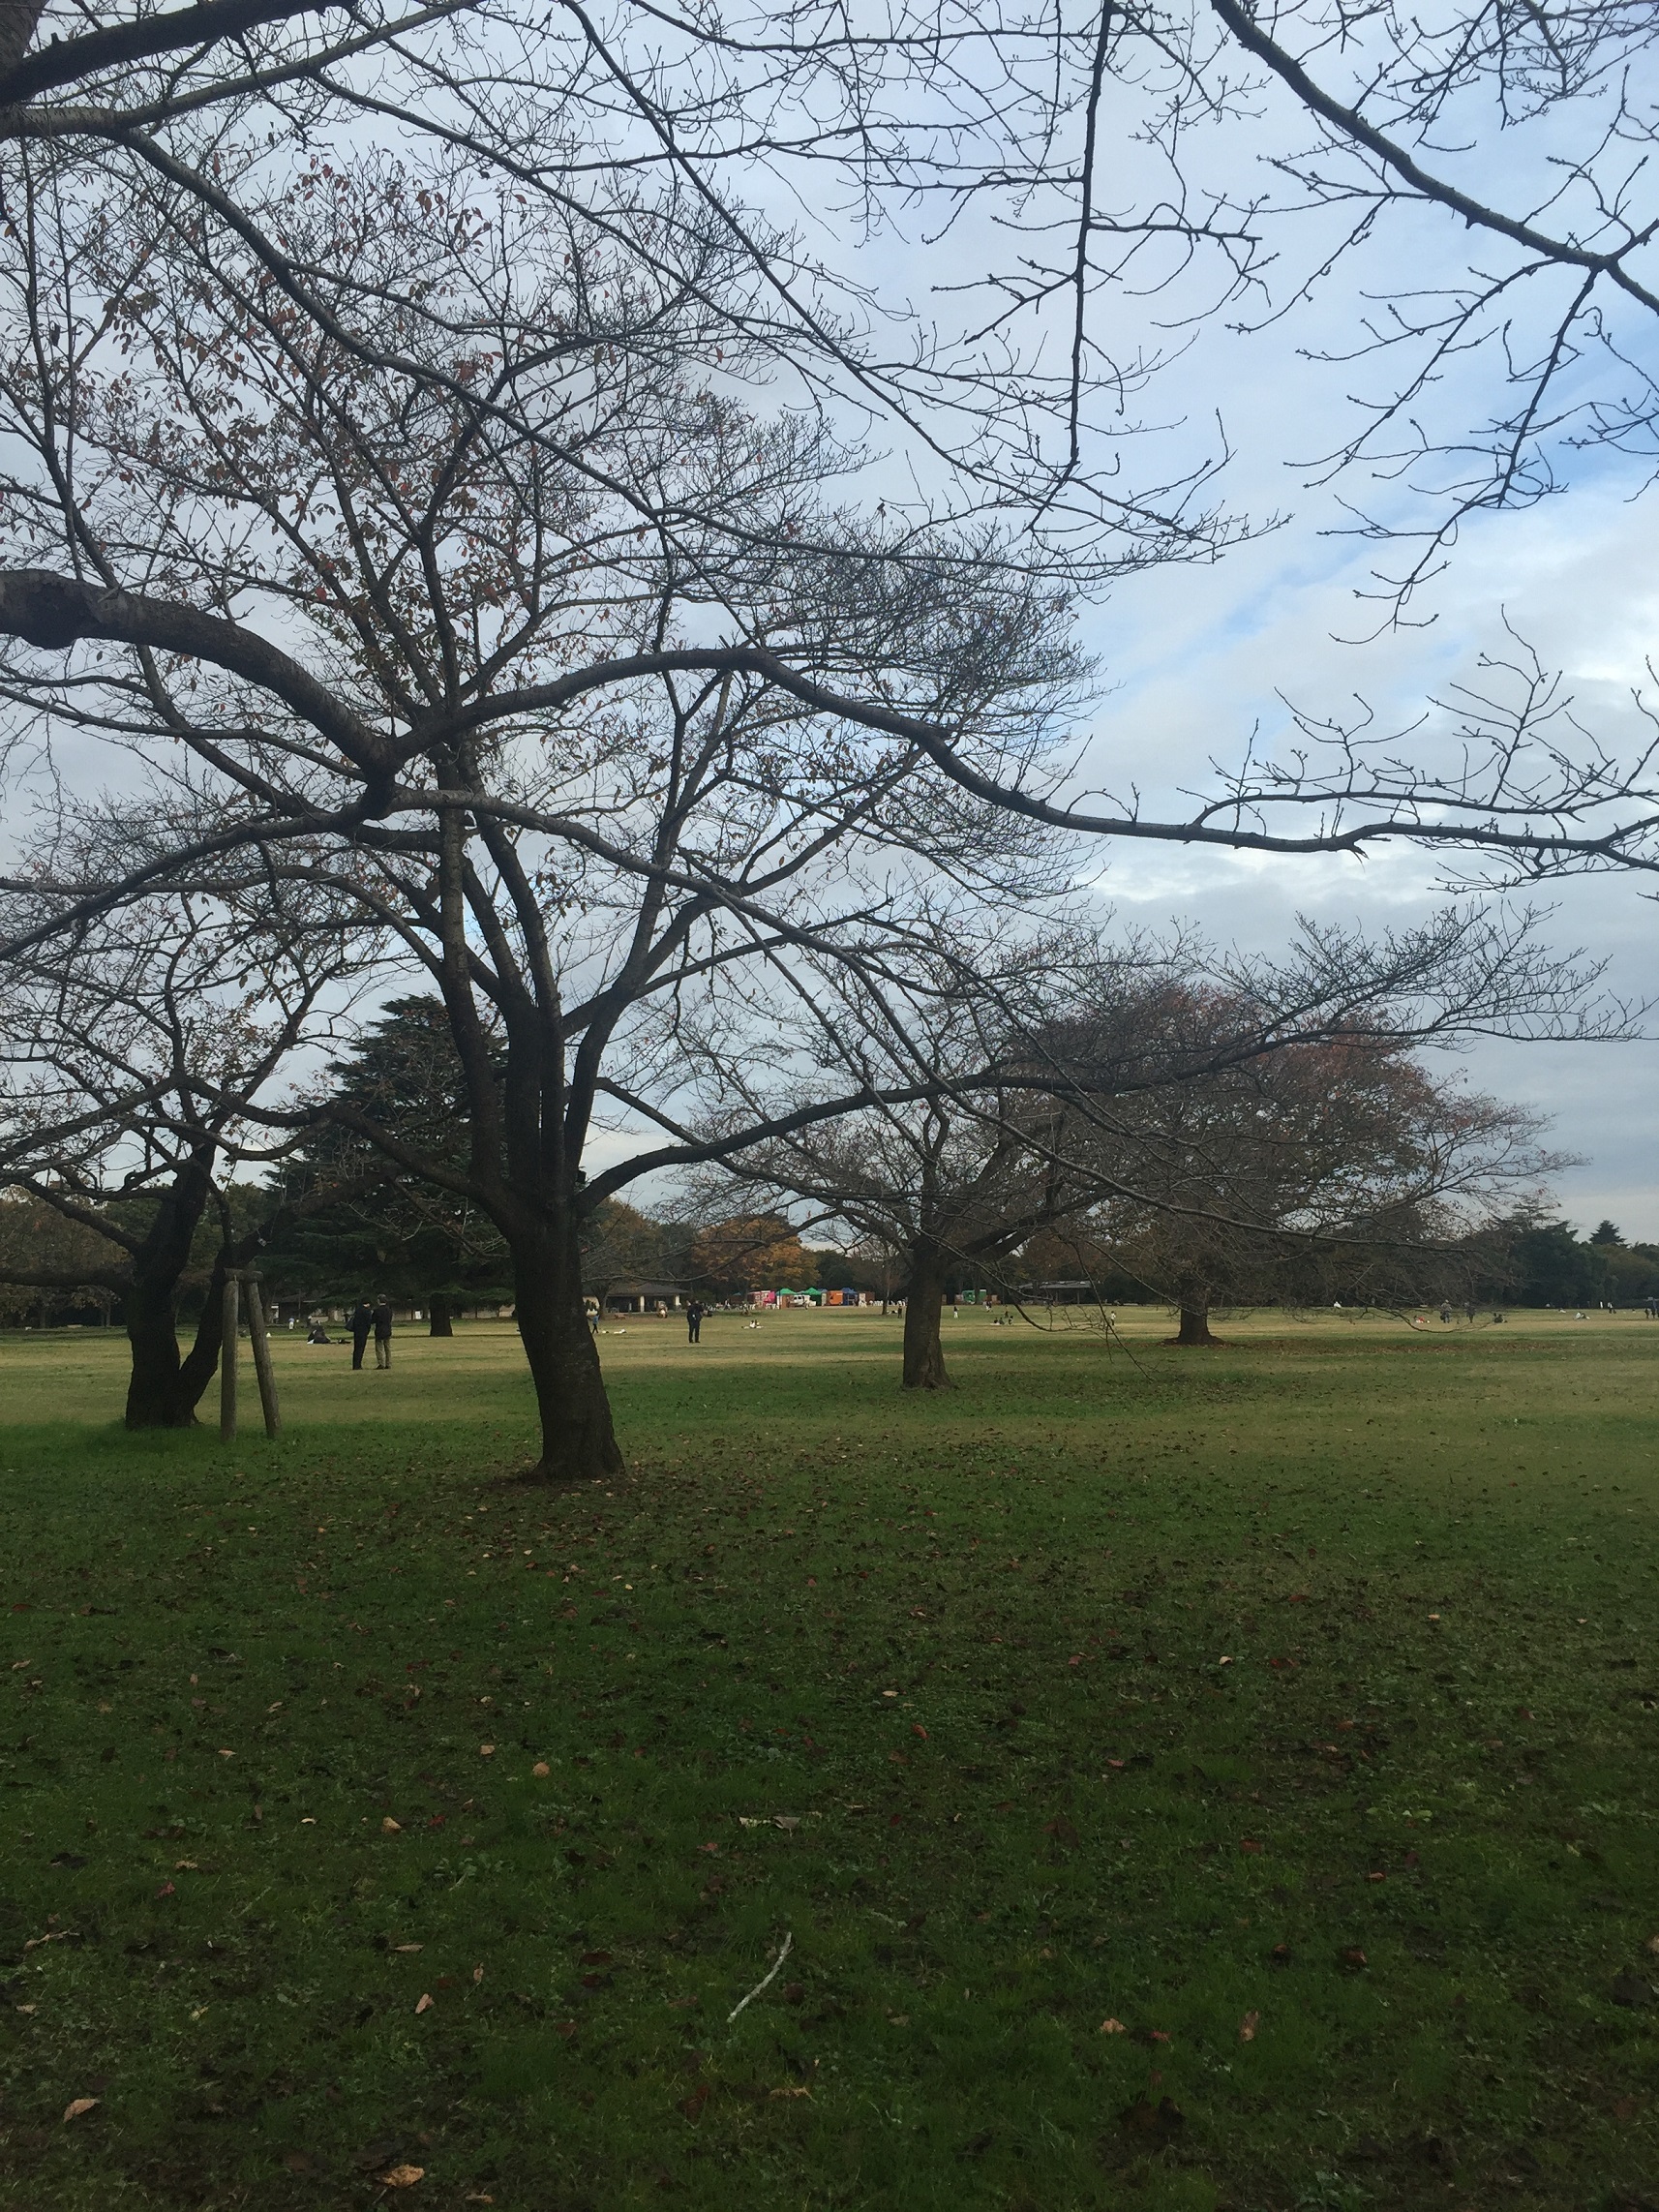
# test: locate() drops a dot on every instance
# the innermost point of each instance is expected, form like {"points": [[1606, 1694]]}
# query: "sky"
{"points": [[1192, 661]]}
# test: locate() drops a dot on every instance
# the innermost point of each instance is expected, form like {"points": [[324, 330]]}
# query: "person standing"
{"points": [[382, 1320], [694, 1312], [361, 1322]]}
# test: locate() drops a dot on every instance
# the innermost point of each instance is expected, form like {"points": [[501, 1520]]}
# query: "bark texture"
{"points": [[442, 1322], [578, 1442], [1194, 1326], [924, 1307], [164, 1388]]}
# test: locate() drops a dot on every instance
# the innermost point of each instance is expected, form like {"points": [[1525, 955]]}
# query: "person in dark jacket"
{"points": [[361, 1322], [382, 1320], [694, 1313]]}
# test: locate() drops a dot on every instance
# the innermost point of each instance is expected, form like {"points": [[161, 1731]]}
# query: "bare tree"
{"points": [[1010, 1080], [589, 691], [1340, 1169], [576, 766], [132, 1049]]}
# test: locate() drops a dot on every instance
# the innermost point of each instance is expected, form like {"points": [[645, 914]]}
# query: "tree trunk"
{"points": [[165, 1390], [155, 1398], [442, 1322], [162, 1389], [924, 1304], [578, 1442], [1194, 1326]]}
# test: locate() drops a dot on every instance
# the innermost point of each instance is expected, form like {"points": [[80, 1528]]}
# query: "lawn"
{"points": [[1184, 1779]]}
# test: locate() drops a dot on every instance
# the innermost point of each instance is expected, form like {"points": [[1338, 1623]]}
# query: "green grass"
{"points": [[969, 1651]]}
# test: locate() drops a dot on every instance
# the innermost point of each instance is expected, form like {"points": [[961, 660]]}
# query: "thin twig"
{"points": [[769, 1976]]}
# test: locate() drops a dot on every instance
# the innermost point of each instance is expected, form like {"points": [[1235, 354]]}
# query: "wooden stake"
{"points": [[228, 1321], [262, 1358]]}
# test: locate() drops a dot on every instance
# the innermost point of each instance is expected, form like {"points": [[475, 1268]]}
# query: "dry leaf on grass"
{"points": [[541, 1770], [1248, 2027], [391, 1827], [1114, 2028], [424, 2005], [792, 2092], [400, 2176], [74, 2111]]}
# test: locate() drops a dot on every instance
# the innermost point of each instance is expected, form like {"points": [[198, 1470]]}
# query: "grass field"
{"points": [[1185, 1780]]}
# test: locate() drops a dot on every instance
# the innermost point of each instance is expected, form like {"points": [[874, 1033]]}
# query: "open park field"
{"points": [[1185, 1780]]}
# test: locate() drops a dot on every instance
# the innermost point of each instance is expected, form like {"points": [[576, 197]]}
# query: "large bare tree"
{"points": [[582, 703], [463, 540]]}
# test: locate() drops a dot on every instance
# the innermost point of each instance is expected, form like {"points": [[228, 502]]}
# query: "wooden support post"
{"points": [[228, 1318], [263, 1357]]}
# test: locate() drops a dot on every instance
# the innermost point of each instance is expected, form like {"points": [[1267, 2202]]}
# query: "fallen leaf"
{"points": [[424, 2005], [186, 1866], [1355, 1956], [1114, 2028], [1248, 1843], [407, 1947], [486, 1751], [477, 1974], [167, 1889], [227, 1754], [391, 1827], [74, 2111], [917, 1729], [803, 2092], [541, 1770], [1248, 2027], [787, 1820], [400, 2176]]}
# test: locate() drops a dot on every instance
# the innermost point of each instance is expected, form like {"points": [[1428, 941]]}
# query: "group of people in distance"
{"points": [[364, 1321]]}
